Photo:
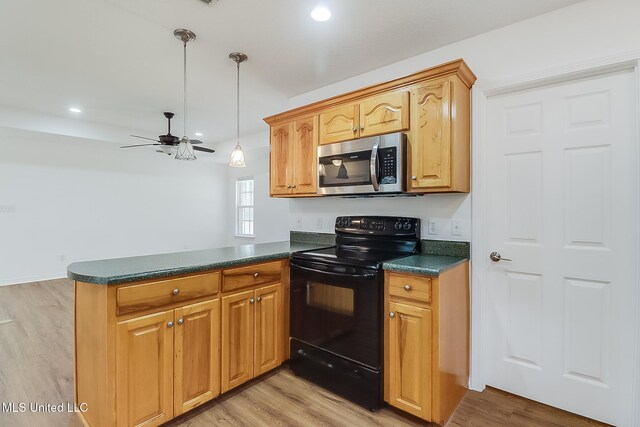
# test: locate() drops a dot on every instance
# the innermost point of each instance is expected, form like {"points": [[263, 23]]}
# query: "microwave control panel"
{"points": [[388, 165]]}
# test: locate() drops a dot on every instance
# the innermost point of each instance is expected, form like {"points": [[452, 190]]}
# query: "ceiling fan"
{"points": [[168, 142]]}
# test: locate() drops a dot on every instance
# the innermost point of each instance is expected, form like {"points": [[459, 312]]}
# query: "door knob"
{"points": [[495, 257]]}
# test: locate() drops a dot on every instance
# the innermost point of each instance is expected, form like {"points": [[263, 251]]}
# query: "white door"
{"points": [[561, 165]]}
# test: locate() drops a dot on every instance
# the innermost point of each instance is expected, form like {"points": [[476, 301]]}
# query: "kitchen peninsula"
{"points": [[158, 335]]}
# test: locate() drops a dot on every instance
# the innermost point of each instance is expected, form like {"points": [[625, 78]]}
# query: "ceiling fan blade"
{"points": [[206, 150], [195, 141], [144, 137], [137, 145]]}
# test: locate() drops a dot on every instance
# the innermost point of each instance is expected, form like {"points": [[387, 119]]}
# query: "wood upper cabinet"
{"points": [[384, 113], [144, 370], [439, 148], [237, 339], [431, 106], [293, 157], [197, 355], [376, 115], [251, 334], [268, 320], [410, 359], [339, 124]]}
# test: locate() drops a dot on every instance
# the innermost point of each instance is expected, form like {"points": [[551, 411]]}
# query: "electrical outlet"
{"points": [[456, 227], [433, 227], [319, 223]]}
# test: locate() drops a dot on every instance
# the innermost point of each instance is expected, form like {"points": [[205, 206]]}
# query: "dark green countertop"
{"points": [[122, 270], [427, 265]]}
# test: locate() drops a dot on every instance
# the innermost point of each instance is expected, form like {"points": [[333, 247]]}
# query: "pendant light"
{"points": [[237, 155], [185, 149]]}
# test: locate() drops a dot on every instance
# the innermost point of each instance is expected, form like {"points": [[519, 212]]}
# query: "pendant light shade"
{"points": [[185, 149], [237, 155]]}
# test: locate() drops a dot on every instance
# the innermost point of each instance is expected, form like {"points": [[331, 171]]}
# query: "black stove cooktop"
{"points": [[368, 241], [348, 257]]}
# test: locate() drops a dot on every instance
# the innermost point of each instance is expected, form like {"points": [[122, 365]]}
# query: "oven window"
{"points": [[345, 169], [330, 298]]}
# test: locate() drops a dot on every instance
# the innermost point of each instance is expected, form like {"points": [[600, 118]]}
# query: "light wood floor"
{"points": [[36, 365]]}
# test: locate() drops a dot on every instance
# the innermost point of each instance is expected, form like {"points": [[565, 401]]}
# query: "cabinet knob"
{"points": [[293, 186], [255, 275], [176, 291], [355, 129], [407, 287], [259, 299], [169, 324], [362, 128], [288, 185], [392, 314], [251, 300], [180, 321], [413, 177]]}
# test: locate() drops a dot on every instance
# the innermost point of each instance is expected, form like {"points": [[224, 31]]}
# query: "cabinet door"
{"points": [[410, 359], [305, 154], [339, 124], [197, 355], [385, 113], [237, 339], [144, 370], [430, 136], [281, 178], [268, 333]]}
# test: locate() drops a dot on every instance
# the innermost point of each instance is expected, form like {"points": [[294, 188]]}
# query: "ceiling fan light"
{"points": [[167, 149], [185, 150], [237, 158]]}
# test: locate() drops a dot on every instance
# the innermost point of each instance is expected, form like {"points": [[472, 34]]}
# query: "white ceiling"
{"points": [[118, 59]]}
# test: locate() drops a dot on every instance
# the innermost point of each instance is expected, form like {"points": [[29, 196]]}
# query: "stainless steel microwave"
{"points": [[371, 165]]}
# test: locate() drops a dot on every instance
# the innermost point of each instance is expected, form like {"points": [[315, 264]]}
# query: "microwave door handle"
{"points": [[373, 166]]}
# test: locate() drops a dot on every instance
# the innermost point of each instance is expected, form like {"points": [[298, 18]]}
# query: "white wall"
{"points": [[271, 214], [77, 199], [584, 31]]}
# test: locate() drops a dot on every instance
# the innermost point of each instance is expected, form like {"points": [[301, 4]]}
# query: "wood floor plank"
{"points": [[36, 365]]}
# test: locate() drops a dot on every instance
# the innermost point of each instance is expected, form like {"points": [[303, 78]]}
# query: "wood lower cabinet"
{"points": [[144, 370], [426, 353], [251, 334], [410, 359], [197, 355]]}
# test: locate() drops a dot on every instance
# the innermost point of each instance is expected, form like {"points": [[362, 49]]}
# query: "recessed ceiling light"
{"points": [[75, 110], [321, 14], [199, 133]]}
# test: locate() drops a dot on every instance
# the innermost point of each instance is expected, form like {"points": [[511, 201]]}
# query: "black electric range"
{"points": [[337, 305]]}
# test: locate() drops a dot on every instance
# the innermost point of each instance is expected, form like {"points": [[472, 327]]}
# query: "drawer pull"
{"points": [[180, 321], [255, 275], [170, 325], [392, 314], [407, 287], [176, 291]]}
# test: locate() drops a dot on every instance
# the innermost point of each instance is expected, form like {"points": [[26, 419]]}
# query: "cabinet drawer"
{"points": [[157, 294], [409, 286], [258, 274]]}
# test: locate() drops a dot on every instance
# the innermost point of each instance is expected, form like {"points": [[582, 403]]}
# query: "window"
{"points": [[244, 207]]}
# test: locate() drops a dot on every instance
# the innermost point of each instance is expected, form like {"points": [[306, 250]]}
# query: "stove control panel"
{"points": [[378, 225]]}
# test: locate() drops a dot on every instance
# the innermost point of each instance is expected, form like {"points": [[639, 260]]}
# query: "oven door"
{"points": [[338, 309]]}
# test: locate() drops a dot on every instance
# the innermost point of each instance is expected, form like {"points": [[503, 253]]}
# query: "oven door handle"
{"points": [[373, 166], [354, 276]]}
